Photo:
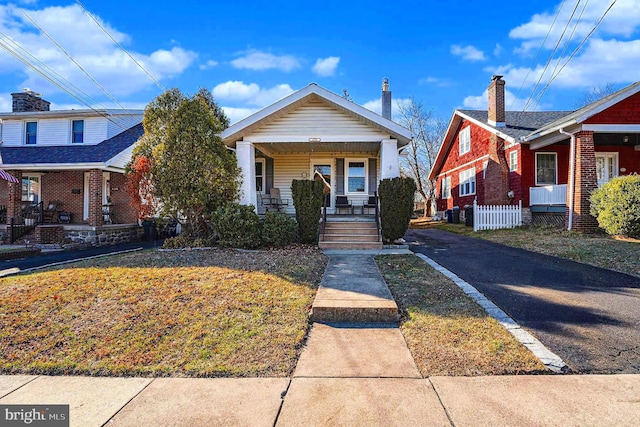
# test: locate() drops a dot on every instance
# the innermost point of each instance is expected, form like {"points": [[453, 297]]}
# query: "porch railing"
{"points": [[29, 219], [548, 195], [323, 219], [378, 222]]}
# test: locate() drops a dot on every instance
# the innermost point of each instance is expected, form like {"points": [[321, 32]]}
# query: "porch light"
{"points": [[625, 138]]}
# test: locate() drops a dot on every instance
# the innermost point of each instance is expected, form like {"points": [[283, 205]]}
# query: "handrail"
{"points": [[323, 219], [375, 195]]}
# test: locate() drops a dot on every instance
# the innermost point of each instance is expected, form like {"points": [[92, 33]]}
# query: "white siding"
{"points": [[119, 124], [317, 119], [12, 132], [53, 132], [95, 130]]}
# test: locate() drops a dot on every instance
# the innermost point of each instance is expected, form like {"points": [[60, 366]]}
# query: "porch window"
{"points": [[445, 192], [31, 132], [77, 131], [468, 182], [546, 169], [260, 176], [31, 188], [513, 161], [356, 177], [465, 140]]}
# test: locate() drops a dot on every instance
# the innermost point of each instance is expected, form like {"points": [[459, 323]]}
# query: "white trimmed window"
{"points": [[77, 131], [31, 133], [513, 161], [260, 173], [468, 182], [356, 176], [31, 188], [445, 191], [546, 169], [465, 140]]}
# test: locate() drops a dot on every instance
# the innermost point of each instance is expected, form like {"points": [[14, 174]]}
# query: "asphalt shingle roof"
{"points": [[98, 153], [519, 123]]}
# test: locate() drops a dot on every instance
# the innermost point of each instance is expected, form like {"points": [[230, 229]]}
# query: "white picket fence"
{"points": [[491, 217]]}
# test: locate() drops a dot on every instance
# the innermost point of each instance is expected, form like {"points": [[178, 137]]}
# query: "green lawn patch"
{"points": [[446, 331], [191, 313]]}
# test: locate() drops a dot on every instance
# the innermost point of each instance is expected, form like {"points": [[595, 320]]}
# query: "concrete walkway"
{"points": [[348, 374]]}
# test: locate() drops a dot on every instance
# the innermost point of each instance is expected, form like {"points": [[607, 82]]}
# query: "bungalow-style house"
{"points": [[549, 160], [72, 162], [316, 134]]}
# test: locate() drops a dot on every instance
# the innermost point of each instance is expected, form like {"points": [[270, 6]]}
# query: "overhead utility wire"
{"points": [[129, 121], [580, 45], [24, 56], [553, 52], [537, 54], [162, 88]]}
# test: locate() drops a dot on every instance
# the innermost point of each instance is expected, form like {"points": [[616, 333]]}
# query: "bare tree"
{"points": [[427, 133], [596, 93]]}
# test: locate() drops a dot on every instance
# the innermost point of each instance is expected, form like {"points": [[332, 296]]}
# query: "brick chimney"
{"points": [[29, 101], [496, 102], [386, 99]]}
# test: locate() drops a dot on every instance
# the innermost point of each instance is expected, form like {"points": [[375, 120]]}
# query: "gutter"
{"points": [[572, 175]]}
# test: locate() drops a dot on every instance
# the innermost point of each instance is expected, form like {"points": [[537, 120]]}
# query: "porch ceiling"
{"points": [[319, 147]]}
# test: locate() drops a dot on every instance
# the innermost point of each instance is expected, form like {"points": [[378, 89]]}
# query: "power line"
{"points": [[120, 46]]}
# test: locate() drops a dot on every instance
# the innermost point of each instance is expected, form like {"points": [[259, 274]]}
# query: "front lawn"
{"points": [[594, 249], [192, 313], [446, 331]]}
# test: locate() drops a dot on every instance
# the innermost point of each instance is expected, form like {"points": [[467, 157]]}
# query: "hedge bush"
{"points": [[396, 206], [616, 206], [238, 226], [307, 199], [278, 230]]}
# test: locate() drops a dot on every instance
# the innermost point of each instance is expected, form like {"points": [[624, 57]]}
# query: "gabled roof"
{"points": [[268, 114], [49, 156], [517, 123]]}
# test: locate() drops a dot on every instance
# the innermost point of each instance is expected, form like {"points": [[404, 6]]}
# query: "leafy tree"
{"points": [[426, 133], [190, 169]]}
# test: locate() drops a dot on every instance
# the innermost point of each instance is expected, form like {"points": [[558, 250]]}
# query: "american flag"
{"points": [[7, 176]]}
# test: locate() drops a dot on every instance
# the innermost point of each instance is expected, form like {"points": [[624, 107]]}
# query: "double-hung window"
{"points": [[546, 169], [260, 176], [31, 132], [356, 177], [513, 161], [77, 131], [30, 188], [445, 192], [468, 182], [465, 140]]}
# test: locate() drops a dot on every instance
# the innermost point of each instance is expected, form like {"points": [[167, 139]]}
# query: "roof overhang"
{"points": [[61, 167], [352, 147], [70, 113]]}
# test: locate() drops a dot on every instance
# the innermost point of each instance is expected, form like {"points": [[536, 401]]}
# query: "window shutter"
{"points": [[269, 176], [373, 176], [340, 176]]}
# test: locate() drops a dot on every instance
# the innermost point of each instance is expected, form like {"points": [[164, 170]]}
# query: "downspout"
{"points": [[572, 175]]}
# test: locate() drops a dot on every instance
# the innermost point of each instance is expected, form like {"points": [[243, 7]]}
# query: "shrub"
{"points": [[307, 199], [396, 206], [278, 230], [238, 226], [178, 242], [616, 206]]}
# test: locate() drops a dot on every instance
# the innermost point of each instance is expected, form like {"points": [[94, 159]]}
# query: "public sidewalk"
{"points": [[348, 374]]}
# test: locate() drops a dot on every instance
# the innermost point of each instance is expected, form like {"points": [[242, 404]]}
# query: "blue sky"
{"points": [[250, 54]]}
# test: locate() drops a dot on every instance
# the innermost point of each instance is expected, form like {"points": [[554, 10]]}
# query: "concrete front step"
{"points": [[355, 312], [350, 225], [350, 238], [354, 231], [350, 245]]}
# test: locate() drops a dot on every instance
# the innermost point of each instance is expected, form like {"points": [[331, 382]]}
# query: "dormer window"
{"points": [[77, 131], [31, 133]]}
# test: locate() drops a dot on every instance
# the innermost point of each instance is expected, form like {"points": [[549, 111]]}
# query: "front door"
{"points": [[322, 170], [606, 167]]}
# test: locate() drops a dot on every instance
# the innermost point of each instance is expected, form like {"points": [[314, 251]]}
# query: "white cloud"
{"points": [[497, 50], [436, 81], [6, 102], [468, 53], [209, 64], [480, 102], [326, 67], [259, 61], [237, 114], [376, 106], [250, 94], [89, 46]]}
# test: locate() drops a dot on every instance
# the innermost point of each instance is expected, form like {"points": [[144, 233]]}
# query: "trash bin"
{"points": [[149, 228], [468, 216], [447, 214], [455, 213]]}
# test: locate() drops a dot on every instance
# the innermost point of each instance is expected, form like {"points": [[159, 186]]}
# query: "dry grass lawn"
{"points": [[192, 313], [595, 249], [446, 331]]}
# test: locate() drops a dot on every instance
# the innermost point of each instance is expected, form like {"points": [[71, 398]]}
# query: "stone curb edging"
{"points": [[11, 272], [551, 360]]}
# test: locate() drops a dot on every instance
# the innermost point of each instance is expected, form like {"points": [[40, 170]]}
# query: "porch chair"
{"points": [[276, 201], [50, 212], [369, 204], [265, 201], [342, 202]]}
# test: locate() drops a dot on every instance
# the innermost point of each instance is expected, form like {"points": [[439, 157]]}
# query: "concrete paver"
{"points": [[361, 402], [205, 402], [9, 383], [589, 400], [356, 351], [92, 401]]}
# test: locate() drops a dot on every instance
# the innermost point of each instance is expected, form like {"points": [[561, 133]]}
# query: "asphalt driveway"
{"points": [[589, 316]]}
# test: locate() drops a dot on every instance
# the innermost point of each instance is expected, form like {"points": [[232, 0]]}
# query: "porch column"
{"points": [[95, 198], [15, 196], [246, 156], [389, 167], [585, 182]]}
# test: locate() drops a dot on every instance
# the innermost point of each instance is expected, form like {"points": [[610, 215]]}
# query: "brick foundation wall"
{"points": [[48, 234]]}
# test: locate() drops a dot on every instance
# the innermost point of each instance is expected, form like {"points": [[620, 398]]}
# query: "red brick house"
{"points": [[503, 157], [72, 161]]}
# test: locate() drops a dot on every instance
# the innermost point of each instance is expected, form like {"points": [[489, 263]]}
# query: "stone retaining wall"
{"points": [[101, 236]]}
